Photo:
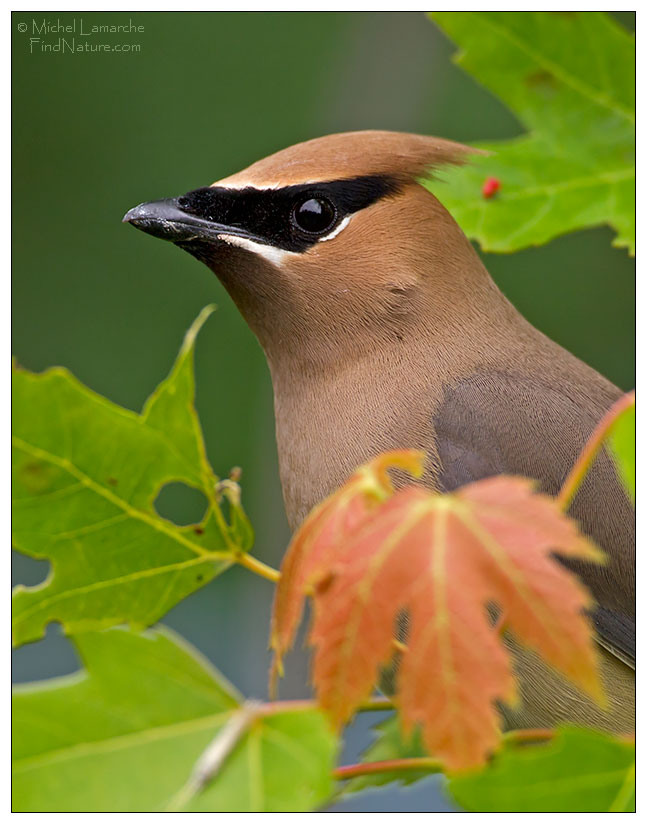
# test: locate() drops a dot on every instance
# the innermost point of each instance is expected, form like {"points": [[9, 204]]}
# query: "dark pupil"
{"points": [[314, 215]]}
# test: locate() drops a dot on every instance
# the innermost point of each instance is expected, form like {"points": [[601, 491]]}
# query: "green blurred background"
{"points": [[207, 94]]}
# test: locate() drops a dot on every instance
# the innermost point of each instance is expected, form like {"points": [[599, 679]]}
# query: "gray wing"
{"points": [[493, 423]]}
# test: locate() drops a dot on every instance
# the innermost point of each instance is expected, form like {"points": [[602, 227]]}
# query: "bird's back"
{"points": [[533, 421]]}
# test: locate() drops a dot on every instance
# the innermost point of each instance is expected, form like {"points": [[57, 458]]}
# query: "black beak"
{"points": [[166, 220]]}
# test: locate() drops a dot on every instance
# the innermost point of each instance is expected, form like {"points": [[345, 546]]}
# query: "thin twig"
{"points": [[394, 765], [427, 763], [213, 758], [521, 736]]}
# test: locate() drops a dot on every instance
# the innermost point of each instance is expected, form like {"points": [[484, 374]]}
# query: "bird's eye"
{"points": [[314, 215]]}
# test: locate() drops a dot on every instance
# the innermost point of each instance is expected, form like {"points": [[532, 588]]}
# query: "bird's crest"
{"points": [[351, 154]]}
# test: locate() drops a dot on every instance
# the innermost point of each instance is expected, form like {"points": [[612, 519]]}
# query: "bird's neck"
{"points": [[380, 397]]}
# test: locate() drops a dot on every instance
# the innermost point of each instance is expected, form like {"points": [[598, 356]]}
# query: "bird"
{"points": [[383, 330]]}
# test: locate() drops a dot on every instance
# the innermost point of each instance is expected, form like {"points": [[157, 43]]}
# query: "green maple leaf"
{"points": [[125, 733], [622, 442], [569, 77], [581, 770], [85, 475]]}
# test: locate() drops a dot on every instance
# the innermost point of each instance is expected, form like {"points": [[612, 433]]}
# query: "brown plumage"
{"points": [[382, 330]]}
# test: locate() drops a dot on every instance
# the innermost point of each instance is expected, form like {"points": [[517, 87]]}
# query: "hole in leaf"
{"points": [[52, 656], [27, 571], [181, 504]]}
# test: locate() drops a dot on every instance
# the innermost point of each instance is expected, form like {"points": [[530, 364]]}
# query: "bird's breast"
{"points": [[326, 428]]}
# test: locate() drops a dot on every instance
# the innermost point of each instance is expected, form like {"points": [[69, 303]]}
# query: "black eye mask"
{"points": [[271, 216]]}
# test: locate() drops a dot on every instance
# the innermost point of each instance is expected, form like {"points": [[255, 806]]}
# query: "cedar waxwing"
{"points": [[383, 330]]}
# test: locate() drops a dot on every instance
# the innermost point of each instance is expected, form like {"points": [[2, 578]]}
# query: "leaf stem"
{"points": [[394, 765], [521, 736], [591, 449], [428, 763], [374, 704], [253, 564]]}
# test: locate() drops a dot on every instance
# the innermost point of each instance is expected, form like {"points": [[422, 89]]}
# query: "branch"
{"points": [[430, 764], [394, 765], [522, 736], [591, 449], [213, 758]]}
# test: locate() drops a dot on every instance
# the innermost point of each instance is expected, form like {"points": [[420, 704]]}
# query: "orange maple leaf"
{"points": [[315, 543], [445, 559]]}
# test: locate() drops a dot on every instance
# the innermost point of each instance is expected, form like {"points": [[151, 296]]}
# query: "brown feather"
{"points": [[351, 154]]}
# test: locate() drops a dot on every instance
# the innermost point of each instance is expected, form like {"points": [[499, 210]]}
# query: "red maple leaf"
{"points": [[445, 559], [315, 543]]}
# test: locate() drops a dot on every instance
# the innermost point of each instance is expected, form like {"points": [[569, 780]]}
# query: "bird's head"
{"points": [[326, 244]]}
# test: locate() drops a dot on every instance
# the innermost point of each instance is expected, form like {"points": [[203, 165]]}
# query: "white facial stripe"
{"points": [[271, 253], [336, 231]]}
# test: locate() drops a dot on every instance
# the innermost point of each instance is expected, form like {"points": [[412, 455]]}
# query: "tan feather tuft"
{"points": [[351, 154]]}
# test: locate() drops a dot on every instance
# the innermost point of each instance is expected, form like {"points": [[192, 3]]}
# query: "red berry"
{"points": [[491, 187]]}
